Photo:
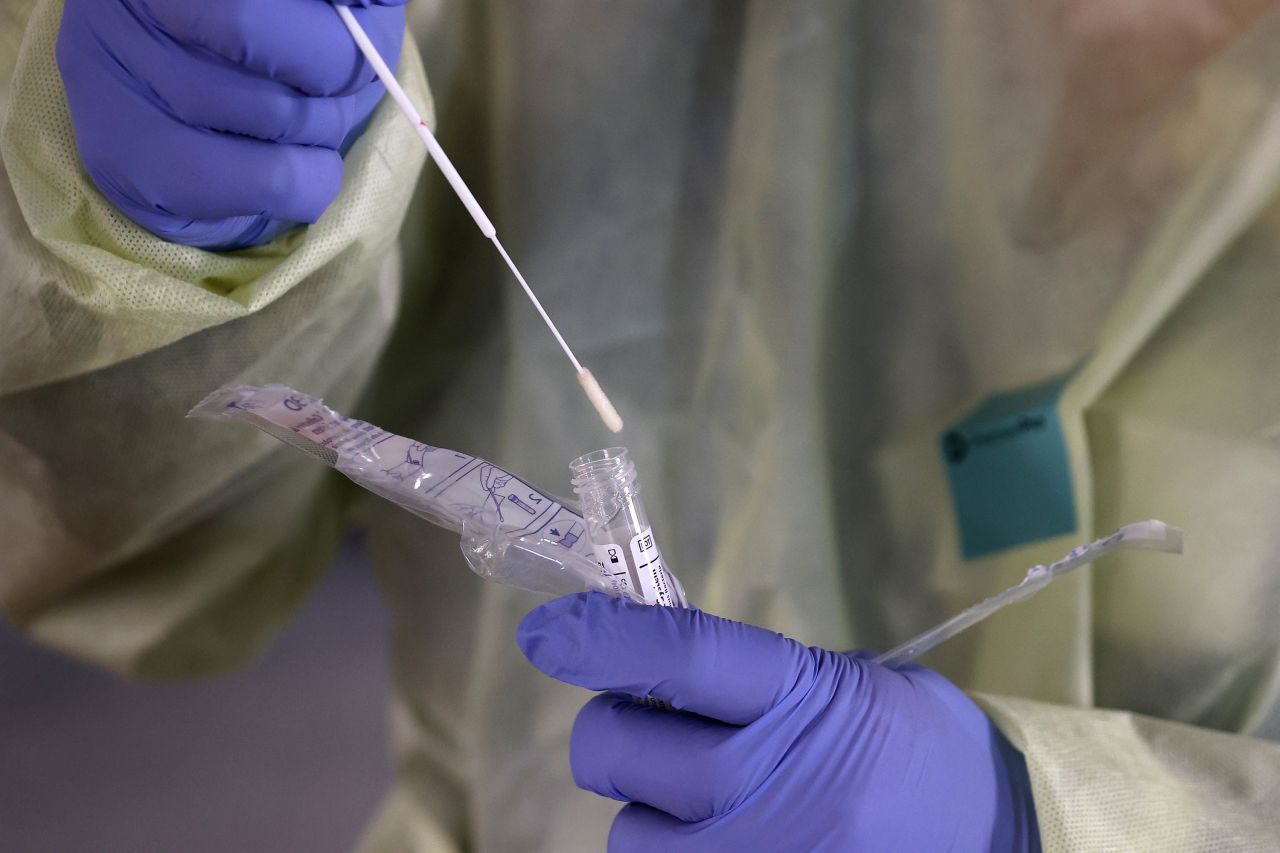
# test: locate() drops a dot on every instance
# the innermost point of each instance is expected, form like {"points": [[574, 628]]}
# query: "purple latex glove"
{"points": [[776, 746], [219, 123]]}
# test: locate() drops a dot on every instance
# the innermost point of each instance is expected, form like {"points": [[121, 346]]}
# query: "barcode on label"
{"points": [[649, 569]]}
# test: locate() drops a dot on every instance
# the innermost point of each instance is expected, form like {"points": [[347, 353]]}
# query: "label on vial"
{"points": [[613, 565], [649, 569]]}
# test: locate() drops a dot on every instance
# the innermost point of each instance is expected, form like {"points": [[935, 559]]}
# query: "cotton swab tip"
{"points": [[596, 395]]}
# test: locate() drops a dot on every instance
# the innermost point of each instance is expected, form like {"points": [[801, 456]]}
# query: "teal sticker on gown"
{"points": [[1008, 469]]}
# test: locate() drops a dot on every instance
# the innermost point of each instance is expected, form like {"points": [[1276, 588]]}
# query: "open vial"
{"points": [[618, 527]]}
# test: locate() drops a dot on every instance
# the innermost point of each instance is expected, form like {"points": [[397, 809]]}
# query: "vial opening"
{"points": [[599, 466], [604, 480]]}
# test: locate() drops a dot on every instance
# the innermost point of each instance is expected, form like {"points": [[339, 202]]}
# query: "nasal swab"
{"points": [[608, 414]]}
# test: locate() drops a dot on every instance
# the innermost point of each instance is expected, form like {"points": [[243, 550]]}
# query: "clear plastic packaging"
{"points": [[511, 532], [1149, 535]]}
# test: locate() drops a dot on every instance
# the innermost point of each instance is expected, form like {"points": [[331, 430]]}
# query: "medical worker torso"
{"points": [[807, 247], [897, 300]]}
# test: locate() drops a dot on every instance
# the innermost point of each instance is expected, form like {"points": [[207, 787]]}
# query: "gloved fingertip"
{"points": [[594, 731], [543, 615], [550, 635], [638, 827]]}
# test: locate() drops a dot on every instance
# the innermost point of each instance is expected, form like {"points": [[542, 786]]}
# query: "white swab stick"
{"points": [[608, 414]]}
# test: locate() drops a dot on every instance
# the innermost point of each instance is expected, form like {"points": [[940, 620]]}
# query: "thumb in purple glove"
{"points": [[774, 746]]}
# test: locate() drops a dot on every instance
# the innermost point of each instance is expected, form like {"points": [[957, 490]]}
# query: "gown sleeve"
{"points": [[1114, 780], [129, 535]]}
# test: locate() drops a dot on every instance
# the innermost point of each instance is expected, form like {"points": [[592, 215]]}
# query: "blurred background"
{"points": [[272, 758]]}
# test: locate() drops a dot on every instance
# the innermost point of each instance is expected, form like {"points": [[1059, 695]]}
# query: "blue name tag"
{"points": [[1007, 466]]}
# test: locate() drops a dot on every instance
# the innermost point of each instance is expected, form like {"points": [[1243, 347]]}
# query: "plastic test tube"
{"points": [[618, 527]]}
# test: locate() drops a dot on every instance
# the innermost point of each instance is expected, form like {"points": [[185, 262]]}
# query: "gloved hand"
{"points": [[219, 123], [775, 746]]}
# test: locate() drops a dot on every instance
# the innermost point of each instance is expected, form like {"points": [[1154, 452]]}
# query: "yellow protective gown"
{"points": [[798, 243]]}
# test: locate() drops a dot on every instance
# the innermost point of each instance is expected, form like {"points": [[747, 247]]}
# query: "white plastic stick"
{"points": [[1151, 535], [536, 303], [608, 414], [406, 106]]}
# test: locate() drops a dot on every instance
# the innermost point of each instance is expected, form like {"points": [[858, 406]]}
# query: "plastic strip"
{"points": [[1150, 535]]}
